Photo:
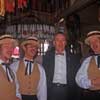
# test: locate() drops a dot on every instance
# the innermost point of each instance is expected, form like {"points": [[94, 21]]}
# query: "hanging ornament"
{"points": [[22, 3], [10, 5], [2, 7]]}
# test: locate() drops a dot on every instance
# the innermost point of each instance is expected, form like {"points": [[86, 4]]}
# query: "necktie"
{"points": [[98, 61], [8, 70], [28, 67]]}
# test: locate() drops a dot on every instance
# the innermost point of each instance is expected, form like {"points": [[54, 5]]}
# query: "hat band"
{"points": [[32, 39], [93, 34], [6, 37]]}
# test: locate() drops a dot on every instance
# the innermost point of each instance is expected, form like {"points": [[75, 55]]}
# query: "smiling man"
{"points": [[88, 75], [8, 80], [31, 75]]}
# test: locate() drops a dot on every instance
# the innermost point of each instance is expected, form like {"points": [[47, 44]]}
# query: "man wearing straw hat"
{"points": [[88, 76], [8, 81], [31, 75]]}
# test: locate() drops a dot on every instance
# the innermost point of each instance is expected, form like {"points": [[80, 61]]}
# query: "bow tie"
{"points": [[6, 64], [29, 61], [8, 70], [60, 54], [28, 67]]}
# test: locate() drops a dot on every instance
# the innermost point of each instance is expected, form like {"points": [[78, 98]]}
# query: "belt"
{"points": [[59, 85], [90, 91], [29, 97]]}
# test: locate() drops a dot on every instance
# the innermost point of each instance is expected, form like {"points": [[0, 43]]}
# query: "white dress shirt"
{"points": [[82, 75], [11, 80], [60, 69], [42, 86]]}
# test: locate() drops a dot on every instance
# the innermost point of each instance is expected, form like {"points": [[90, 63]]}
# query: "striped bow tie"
{"points": [[8, 70], [29, 61], [28, 67]]}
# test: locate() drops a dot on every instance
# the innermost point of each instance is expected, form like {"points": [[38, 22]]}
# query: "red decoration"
{"points": [[10, 5], [22, 3]]}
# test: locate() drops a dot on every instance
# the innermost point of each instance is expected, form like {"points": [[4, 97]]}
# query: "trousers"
{"points": [[29, 97]]}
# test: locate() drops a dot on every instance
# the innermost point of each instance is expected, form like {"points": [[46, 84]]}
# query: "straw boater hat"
{"points": [[8, 39], [91, 35], [30, 40]]}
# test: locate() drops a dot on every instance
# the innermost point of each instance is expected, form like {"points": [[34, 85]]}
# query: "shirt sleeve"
{"points": [[42, 86], [82, 77], [17, 88], [14, 67]]}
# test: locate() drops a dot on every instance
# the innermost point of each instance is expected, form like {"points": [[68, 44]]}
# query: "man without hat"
{"points": [[8, 81], [60, 67], [30, 74], [88, 76]]}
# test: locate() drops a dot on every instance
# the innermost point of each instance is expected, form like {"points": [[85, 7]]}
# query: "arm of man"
{"points": [[42, 87], [14, 67], [82, 76], [18, 95], [17, 98]]}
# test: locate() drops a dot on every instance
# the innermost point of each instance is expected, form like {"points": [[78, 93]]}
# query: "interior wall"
{"points": [[89, 19], [88, 22]]}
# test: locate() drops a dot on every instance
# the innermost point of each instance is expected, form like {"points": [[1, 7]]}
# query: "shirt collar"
{"points": [[1, 61], [63, 52], [27, 59]]}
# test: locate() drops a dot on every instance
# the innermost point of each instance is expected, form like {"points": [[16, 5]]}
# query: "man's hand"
{"points": [[95, 82], [18, 98]]}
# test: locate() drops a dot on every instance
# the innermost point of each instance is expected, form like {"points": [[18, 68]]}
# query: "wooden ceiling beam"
{"points": [[77, 6]]}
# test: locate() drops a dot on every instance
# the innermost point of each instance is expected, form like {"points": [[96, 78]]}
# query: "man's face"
{"points": [[30, 50], [60, 42], [95, 44], [6, 50]]}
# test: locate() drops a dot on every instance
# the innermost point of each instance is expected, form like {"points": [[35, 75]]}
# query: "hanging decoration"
{"points": [[24, 30], [9, 5], [22, 3], [2, 7]]}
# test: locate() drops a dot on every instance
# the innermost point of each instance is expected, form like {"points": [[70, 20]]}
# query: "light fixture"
{"points": [[61, 20]]}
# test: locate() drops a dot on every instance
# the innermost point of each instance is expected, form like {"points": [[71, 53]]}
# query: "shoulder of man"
{"points": [[86, 58], [14, 65]]}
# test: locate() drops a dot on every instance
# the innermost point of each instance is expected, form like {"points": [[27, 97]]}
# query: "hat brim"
{"points": [[88, 39], [9, 40], [33, 42]]}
